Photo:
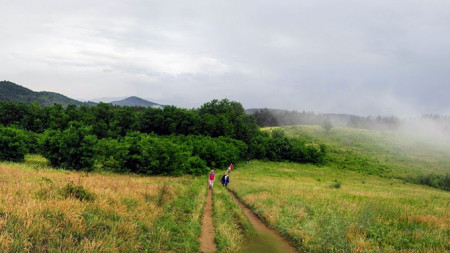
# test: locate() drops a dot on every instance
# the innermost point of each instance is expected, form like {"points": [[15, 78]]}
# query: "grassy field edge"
{"points": [[231, 225]]}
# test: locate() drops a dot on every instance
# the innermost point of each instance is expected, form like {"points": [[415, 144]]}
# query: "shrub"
{"points": [[278, 133], [77, 191], [435, 180], [195, 165], [281, 148], [214, 151], [73, 148], [335, 184], [112, 155], [13, 144], [148, 154]]}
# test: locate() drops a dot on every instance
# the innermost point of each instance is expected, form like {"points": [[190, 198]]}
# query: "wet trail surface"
{"points": [[207, 236], [266, 239]]}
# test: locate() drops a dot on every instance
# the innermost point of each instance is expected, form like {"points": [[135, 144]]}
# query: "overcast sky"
{"points": [[378, 57]]}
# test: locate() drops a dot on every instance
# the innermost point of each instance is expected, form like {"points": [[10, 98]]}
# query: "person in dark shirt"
{"points": [[225, 180]]}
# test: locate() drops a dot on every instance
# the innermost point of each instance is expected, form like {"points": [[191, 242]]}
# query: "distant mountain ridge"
{"points": [[13, 92], [136, 101], [10, 91]]}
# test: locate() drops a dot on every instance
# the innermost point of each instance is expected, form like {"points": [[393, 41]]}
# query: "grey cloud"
{"points": [[362, 57]]}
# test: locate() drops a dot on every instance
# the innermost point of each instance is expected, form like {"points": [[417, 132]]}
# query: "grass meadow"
{"points": [[232, 227], [385, 153], [323, 209], [358, 201], [42, 210]]}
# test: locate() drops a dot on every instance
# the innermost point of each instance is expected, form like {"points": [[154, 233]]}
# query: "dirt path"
{"points": [[266, 239], [207, 236]]}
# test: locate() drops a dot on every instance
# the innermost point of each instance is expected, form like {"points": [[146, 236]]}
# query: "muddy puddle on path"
{"points": [[266, 239]]}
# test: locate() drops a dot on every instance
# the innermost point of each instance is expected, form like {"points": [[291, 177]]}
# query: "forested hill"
{"points": [[10, 91]]}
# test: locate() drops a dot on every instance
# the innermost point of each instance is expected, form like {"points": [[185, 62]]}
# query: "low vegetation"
{"points": [[365, 213], [179, 227], [413, 158], [47, 210], [232, 226]]}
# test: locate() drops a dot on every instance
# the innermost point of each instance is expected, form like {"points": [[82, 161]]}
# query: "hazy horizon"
{"points": [[352, 57]]}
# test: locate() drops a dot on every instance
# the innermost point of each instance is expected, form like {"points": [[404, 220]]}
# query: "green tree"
{"points": [[72, 149], [13, 145]]}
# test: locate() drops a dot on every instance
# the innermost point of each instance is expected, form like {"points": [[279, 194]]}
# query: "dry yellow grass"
{"points": [[36, 216]]}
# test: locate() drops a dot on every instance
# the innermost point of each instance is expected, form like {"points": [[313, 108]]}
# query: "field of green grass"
{"points": [[396, 154], [327, 209], [357, 201], [232, 227], [47, 210]]}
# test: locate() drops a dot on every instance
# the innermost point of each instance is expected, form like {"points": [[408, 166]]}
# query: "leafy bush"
{"points": [[73, 148], [216, 152], [434, 180], [171, 155], [112, 155], [149, 154], [335, 184], [13, 144], [280, 148], [77, 191], [195, 165]]}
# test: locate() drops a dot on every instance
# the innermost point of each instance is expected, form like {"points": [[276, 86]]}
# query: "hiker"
{"points": [[225, 180], [230, 168], [211, 179]]}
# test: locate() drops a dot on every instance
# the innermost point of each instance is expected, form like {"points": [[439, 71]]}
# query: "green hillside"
{"points": [[385, 153], [10, 91], [324, 209]]}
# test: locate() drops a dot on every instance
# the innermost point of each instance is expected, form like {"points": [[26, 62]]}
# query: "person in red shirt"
{"points": [[211, 179], [230, 168]]}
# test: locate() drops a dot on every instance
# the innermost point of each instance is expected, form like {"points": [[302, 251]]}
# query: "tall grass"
{"points": [[231, 225], [178, 229], [409, 157], [367, 213], [44, 210]]}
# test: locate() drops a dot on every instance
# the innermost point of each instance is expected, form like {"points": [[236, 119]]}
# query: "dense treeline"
{"points": [[216, 118], [269, 117], [439, 181], [170, 140]]}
